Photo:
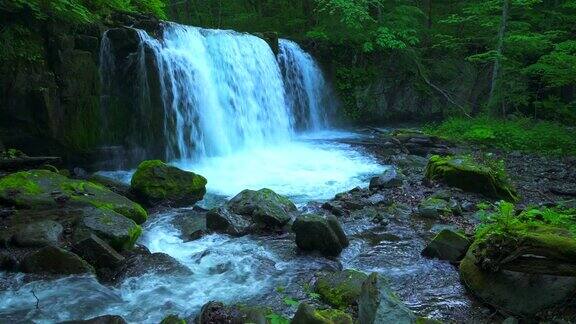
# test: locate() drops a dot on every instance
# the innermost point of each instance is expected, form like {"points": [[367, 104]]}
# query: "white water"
{"points": [[232, 115]]}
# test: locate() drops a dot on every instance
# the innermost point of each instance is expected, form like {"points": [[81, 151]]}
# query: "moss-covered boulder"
{"points": [[465, 173], [524, 271], [390, 178], [54, 260], [447, 245], [41, 233], [264, 207], [306, 314], [173, 319], [379, 304], [320, 233], [340, 289], [42, 189], [433, 208], [156, 182], [118, 231]]}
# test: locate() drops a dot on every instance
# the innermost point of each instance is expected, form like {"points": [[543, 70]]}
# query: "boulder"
{"points": [[498, 283], [192, 225], [42, 233], [98, 253], [340, 289], [118, 231], [390, 178], [54, 260], [217, 312], [172, 319], [223, 220], [112, 184], [306, 314], [105, 319], [447, 245], [318, 233], [433, 208], [464, 173], [264, 207], [378, 304], [42, 189], [155, 183], [140, 261]]}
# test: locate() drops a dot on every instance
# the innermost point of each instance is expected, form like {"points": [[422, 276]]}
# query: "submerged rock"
{"points": [[155, 182], [340, 289], [46, 232], [54, 260], [379, 304], [264, 207], [306, 314], [41, 190], [318, 233], [118, 231], [390, 178], [464, 173], [105, 319], [447, 245]]}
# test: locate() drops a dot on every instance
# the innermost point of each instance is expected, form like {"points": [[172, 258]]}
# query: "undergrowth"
{"points": [[521, 134], [506, 219]]}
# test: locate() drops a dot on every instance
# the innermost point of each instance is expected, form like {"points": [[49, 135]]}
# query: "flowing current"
{"points": [[244, 118]]}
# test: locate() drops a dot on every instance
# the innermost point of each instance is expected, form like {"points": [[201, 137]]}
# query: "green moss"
{"points": [[465, 173], [333, 316], [340, 289], [20, 181], [173, 319]]}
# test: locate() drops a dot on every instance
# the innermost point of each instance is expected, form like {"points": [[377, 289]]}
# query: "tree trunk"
{"points": [[499, 51]]}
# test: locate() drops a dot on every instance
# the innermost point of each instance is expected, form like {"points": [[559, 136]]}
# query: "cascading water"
{"points": [[308, 95], [222, 91]]}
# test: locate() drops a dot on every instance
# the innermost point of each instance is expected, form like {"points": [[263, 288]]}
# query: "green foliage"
{"points": [[291, 302], [506, 220], [520, 134]]}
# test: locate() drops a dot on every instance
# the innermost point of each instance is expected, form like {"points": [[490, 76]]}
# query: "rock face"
{"points": [[306, 314], [464, 173], [40, 233], [41, 189], [389, 179], [318, 233], [53, 260], [252, 211], [522, 292], [118, 231], [379, 304], [158, 183], [447, 245], [340, 289]]}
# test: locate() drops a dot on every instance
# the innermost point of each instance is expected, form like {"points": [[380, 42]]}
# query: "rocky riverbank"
{"points": [[391, 252]]}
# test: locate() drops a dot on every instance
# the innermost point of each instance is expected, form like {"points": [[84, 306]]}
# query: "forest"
{"points": [[275, 161]]}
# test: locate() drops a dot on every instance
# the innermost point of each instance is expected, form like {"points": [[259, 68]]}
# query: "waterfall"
{"points": [[307, 93], [222, 91]]}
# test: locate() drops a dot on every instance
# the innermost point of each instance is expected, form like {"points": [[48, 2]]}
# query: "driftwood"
{"points": [[23, 163]]}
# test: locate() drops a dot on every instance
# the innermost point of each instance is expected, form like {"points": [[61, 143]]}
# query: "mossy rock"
{"points": [[319, 233], [433, 208], [524, 285], [447, 245], [155, 182], [42, 189], [173, 319], [340, 289], [54, 260], [264, 207], [118, 231], [41, 233], [464, 173], [379, 304], [306, 314]]}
